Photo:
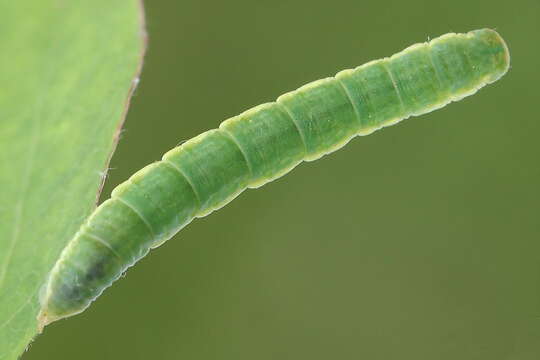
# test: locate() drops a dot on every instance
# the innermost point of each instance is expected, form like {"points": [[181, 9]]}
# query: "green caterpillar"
{"points": [[260, 145]]}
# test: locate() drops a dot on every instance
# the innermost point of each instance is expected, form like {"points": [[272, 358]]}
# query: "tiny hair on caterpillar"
{"points": [[261, 144]]}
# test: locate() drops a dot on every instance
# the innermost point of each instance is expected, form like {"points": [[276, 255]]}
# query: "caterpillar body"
{"points": [[257, 146]]}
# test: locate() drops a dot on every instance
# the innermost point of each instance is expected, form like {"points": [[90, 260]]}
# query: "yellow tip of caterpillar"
{"points": [[45, 317], [43, 320]]}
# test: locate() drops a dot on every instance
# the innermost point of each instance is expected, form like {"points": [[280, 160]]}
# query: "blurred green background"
{"points": [[417, 242]]}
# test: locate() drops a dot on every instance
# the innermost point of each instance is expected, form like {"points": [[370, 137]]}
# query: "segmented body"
{"points": [[259, 145]]}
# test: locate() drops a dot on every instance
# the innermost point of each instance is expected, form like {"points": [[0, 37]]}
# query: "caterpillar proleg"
{"points": [[258, 146]]}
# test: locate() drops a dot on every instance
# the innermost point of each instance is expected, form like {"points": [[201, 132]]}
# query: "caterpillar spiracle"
{"points": [[258, 146]]}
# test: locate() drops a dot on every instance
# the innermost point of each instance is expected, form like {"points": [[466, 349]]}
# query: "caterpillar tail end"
{"points": [[45, 315], [493, 46], [50, 311], [44, 319]]}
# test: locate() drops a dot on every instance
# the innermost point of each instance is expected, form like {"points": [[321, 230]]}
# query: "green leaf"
{"points": [[66, 74]]}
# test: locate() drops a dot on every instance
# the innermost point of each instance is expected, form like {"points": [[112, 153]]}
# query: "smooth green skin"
{"points": [[66, 72], [258, 146]]}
